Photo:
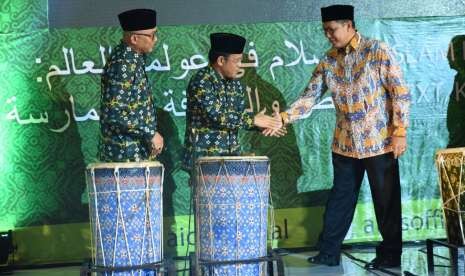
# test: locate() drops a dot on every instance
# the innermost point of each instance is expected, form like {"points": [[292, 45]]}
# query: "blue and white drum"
{"points": [[231, 202], [126, 215]]}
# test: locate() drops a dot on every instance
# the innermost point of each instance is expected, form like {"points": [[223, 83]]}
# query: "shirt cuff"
{"points": [[399, 132], [248, 120], [284, 117]]}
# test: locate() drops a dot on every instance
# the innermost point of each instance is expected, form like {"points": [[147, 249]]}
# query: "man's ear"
{"points": [[133, 38], [220, 60], [351, 24]]}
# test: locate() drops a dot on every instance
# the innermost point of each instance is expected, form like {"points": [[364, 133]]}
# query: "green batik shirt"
{"points": [[215, 113], [128, 119]]}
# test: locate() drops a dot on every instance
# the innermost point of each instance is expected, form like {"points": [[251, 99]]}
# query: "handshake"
{"points": [[270, 125]]}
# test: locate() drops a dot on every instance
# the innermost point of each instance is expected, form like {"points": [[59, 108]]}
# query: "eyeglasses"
{"points": [[151, 36], [330, 31]]}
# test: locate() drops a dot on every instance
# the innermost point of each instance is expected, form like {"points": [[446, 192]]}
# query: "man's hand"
{"points": [[157, 144], [264, 121], [399, 145], [276, 132]]}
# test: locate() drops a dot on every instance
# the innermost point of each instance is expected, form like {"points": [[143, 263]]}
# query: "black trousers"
{"points": [[383, 176]]}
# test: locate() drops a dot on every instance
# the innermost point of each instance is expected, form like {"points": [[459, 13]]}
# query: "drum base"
{"points": [[165, 267], [457, 256], [274, 263]]}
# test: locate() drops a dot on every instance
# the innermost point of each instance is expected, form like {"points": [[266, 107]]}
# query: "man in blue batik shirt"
{"points": [[128, 121], [216, 104]]}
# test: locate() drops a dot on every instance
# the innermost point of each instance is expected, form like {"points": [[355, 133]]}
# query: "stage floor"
{"points": [[413, 263]]}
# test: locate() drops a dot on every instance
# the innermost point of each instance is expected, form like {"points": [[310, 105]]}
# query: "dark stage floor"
{"points": [[414, 262]]}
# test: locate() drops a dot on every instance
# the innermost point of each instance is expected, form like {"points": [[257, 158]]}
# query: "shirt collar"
{"points": [[217, 75], [129, 52], [213, 72], [353, 44]]}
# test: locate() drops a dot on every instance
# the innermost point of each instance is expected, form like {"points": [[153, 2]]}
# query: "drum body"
{"points": [[125, 207], [451, 168], [231, 203]]}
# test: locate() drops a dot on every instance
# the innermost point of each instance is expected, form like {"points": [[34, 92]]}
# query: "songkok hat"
{"points": [[138, 19], [227, 43], [337, 12]]}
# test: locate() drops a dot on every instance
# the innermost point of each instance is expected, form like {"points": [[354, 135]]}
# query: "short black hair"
{"points": [[214, 55]]}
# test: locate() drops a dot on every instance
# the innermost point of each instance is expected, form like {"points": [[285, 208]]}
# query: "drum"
{"points": [[451, 168], [231, 214], [125, 207]]}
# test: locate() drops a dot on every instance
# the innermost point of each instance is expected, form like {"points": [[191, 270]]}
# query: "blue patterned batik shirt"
{"points": [[128, 119], [215, 113]]}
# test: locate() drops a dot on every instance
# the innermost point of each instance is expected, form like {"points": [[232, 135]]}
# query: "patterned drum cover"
{"points": [[451, 168], [231, 213], [125, 207]]}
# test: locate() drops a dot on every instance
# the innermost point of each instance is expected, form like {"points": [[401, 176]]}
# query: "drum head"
{"points": [[128, 165], [208, 159], [451, 150]]}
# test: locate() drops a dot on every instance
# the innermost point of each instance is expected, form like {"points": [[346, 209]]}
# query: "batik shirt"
{"points": [[128, 119], [215, 113], [369, 95]]}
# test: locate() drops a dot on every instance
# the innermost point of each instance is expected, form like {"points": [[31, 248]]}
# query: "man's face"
{"points": [[230, 66], [145, 39], [338, 33]]}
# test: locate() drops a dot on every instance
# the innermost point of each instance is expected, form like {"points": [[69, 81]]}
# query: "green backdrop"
{"points": [[49, 100]]}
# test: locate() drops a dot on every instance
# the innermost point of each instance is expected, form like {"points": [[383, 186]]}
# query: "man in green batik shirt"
{"points": [[216, 106], [128, 121]]}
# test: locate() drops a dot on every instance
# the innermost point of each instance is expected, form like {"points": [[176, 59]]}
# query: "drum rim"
{"points": [[451, 150], [124, 165], [204, 159]]}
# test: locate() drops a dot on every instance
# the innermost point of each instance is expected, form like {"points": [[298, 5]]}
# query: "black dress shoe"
{"points": [[324, 259], [383, 262]]}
